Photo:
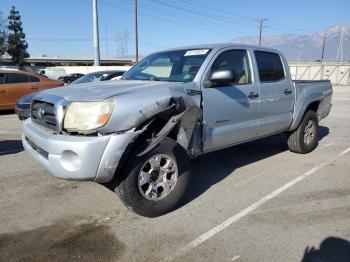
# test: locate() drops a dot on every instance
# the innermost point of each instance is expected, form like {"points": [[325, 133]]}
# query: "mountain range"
{"points": [[306, 47]]}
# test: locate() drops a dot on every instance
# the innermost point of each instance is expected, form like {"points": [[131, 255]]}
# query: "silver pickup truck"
{"points": [[137, 135]]}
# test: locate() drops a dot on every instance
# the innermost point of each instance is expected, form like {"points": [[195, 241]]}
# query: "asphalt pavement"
{"points": [[253, 202]]}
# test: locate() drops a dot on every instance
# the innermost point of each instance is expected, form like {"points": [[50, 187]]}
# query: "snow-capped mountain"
{"points": [[306, 47]]}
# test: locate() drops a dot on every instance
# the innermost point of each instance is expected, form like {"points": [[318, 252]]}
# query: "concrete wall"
{"points": [[337, 72]]}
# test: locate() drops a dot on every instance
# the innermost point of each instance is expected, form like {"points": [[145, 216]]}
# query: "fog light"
{"points": [[70, 161]]}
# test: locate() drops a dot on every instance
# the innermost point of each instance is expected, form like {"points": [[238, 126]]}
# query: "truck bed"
{"points": [[308, 91]]}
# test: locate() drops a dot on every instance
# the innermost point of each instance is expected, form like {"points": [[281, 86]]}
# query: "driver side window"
{"points": [[237, 61]]}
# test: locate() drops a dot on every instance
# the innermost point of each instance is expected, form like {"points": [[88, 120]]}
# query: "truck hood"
{"points": [[97, 91]]}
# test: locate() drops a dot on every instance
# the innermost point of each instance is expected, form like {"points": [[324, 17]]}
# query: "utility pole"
{"points": [[136, 35], [323, 46], [107, 49], [340, 47], [96, 37], [261, 26]]}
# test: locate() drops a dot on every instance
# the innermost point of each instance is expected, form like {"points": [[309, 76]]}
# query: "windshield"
{"points": [[172, 66], [91, 78]]}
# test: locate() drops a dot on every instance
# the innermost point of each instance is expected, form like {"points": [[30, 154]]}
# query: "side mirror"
{"points": [[222, 77]]}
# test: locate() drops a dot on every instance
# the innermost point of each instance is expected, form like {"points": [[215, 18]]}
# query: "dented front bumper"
{"points": [[90, 158]]}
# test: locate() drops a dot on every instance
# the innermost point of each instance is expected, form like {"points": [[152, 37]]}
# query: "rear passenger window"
{"points": [[34, 79], [270, 66], [236, 60], [17, 78]]}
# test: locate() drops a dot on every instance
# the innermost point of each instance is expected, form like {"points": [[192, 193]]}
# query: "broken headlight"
{"points": [[87, 116]]}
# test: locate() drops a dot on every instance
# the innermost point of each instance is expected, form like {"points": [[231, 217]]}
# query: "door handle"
{"points": [[33, 87], [253, 95], [2, 91], [287, 92]]}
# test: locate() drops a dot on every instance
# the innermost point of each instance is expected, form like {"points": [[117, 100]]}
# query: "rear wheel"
{"points": [[305, 138], [155, 183]]}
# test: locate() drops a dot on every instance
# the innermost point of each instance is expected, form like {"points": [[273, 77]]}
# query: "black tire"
{"points": [[296, 141], [128, 187]]}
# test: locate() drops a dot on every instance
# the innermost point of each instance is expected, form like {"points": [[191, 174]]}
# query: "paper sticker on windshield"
{"points": [[196, 52]]}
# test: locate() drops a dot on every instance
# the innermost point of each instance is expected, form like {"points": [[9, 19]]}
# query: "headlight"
{"points": [[87, 116]]}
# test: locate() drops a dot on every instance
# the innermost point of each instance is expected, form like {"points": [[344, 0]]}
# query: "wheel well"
{"points": [[181, 132], [138, 144], [313, 106]]}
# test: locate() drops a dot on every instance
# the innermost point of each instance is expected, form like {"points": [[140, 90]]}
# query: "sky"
{"points": [[64, 28]]}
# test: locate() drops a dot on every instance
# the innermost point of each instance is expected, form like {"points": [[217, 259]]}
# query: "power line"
{"points": [[214, 25], [248, 19], [208, 26], [177, 22], [218, 10], [201, 15]]}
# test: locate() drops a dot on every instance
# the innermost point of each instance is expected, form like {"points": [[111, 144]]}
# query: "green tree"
{"points": [[17, 45], [3, 36]]}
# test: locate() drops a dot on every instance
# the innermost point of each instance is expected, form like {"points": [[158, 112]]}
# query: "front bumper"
{"points": [[90, 158], [22, 113]]}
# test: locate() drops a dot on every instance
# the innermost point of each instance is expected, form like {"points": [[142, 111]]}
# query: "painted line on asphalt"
{"points": [[9, 132], [329, 144], [9, 119], [340, 99], [211, 233]]}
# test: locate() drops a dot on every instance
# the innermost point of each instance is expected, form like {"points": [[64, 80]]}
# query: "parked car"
{"points": [[23, 106], [70, 78], [138, 134], [40, 72], [100, 76], [15, 84], [52, 72]]}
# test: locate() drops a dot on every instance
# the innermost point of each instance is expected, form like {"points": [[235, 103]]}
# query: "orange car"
{"points": [[15, 84]]}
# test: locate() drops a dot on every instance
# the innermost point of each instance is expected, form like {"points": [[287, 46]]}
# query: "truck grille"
{"points": [[43, 113]]}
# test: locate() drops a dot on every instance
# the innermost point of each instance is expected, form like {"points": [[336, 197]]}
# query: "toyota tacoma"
{"points": [[139, 134]]}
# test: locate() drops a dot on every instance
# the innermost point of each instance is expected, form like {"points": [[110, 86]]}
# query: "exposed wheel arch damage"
{"points": [[174, 114], [180, 121], [184, 128]]}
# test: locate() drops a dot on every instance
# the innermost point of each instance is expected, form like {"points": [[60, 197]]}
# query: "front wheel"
{"points": [[305, 138], [155, 183]]}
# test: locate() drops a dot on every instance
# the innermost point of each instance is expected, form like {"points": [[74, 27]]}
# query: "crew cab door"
{"points": [[276, 93], [230, 112]]}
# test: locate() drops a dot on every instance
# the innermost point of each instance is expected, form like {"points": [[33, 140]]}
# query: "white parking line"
{"points": [[204, 237], [8, 119], [9, 132], [329, 144]]}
